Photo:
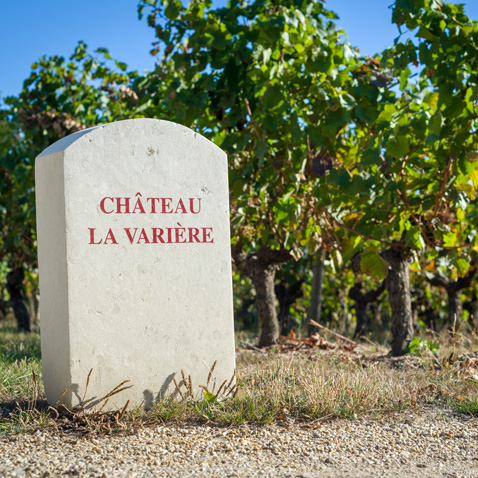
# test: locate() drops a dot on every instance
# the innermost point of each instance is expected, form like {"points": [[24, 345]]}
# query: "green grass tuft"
{"points": [[466, 406]]}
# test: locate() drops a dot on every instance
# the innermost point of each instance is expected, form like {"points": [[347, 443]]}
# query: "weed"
{"points": [[421, 347], [466, 406]]}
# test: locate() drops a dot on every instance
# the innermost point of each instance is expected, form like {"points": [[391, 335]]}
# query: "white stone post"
{"points": [[135, 263]]}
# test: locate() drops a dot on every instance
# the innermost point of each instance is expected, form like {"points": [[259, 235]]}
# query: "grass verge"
{"points": [[306, 386]]}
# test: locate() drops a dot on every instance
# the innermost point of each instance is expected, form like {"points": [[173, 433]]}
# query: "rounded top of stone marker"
{"points": [[124, 127]]}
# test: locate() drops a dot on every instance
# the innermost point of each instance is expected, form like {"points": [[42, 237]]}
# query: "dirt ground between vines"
{"points": [[429, 442]]}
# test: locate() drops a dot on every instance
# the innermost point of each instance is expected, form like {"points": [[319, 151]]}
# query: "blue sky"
{"points": [[32, 28]]}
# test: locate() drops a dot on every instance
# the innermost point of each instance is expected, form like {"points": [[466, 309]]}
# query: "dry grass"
{"points": [[307, 386]]}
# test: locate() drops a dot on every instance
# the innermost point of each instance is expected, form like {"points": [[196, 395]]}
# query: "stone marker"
{"points": [[135, 263]]}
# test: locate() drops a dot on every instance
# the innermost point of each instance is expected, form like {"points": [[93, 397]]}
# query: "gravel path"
{"points": [[431, 443]]}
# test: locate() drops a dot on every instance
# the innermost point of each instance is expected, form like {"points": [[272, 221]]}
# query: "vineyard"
{"points": [[352, 179]]}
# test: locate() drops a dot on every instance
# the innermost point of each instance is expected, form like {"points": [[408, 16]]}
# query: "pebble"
{"points": [[430, 443]]}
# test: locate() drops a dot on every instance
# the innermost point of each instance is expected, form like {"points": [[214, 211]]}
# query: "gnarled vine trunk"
{"points": [[262, 276], [453, 290], [362, 301], [260, 266], [15, 288], [315, 310], [398, 288], [286, 297]]}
